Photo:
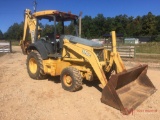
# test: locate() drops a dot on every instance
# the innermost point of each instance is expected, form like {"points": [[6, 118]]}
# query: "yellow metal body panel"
{"points": [[54, 67]]}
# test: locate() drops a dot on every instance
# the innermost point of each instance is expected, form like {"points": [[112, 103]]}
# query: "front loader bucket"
{"points": [[127, 90]]}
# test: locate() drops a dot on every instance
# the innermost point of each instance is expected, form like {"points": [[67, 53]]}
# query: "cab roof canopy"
{"points": [[60, 16]]}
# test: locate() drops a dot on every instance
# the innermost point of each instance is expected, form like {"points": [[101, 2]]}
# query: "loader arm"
{"points": [[88, 56], [115, 57]]}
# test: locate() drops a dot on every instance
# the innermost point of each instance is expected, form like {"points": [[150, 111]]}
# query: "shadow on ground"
{"points": [[95, 83]]}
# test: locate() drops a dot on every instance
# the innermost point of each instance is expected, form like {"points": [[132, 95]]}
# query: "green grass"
{"points": [[150, 48], [148, 57], [146, 52]]}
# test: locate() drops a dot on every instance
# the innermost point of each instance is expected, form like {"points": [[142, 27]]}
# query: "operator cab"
{"points": [[51, 40]]}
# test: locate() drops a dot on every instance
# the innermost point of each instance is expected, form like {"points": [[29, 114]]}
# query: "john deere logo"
{"points": [[86, 53]]}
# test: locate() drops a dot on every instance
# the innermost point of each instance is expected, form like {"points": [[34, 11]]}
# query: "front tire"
{"points": [[71, 79], [35, 66]]}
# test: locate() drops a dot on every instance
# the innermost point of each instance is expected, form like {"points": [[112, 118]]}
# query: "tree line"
{"points": [[146, 25]]}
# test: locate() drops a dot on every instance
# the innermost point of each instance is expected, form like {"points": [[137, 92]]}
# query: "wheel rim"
{"points": [[67, 80], [33, 65]]}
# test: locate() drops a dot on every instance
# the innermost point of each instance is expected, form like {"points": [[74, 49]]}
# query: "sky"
{"points": [[12, 11]]}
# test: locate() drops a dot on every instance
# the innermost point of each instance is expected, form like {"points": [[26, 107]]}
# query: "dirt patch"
{"points": [[1, 54], [24, 98], [151, 62]]}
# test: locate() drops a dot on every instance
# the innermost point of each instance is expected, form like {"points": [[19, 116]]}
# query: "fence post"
{"points": [[130, 51], [10, 45], [134, 51], [118, 47]]}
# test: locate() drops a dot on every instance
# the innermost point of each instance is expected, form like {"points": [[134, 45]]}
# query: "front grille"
{"points": [[99, 53]]}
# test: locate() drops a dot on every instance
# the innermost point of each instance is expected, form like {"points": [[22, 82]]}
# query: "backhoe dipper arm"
{"points": [[30, 24]]}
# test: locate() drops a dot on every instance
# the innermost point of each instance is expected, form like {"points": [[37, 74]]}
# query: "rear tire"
{"points": [[71, 79], [35, 66]]}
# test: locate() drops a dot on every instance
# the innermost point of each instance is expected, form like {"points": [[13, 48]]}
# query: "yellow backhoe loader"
{"points": [[75, 59]]}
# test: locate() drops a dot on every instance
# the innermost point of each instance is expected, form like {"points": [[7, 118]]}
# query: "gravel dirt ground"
{"points": [[22, 98]]}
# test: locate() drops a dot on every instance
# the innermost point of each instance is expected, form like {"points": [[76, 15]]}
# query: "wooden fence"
{"points": [[5, 46], [125, 51]]}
